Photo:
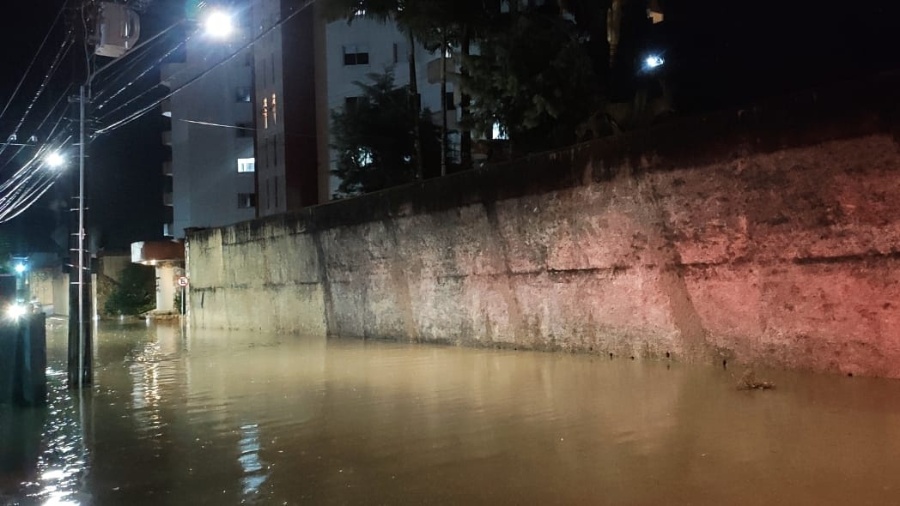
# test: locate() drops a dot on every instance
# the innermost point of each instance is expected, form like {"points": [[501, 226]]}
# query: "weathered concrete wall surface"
{"points": [[768, 236]]}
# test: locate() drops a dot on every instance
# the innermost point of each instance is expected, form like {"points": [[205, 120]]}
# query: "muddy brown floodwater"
{"points": [[243, 418]]}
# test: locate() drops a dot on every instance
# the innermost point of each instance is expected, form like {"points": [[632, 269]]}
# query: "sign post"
{"points": [[183, 283]]}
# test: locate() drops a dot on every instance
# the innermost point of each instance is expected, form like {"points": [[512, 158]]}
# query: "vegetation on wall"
{"points": [[542, 74], [134, 293]]}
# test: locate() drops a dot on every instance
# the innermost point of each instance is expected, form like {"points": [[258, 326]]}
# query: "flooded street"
{"points": [[234, 418]]}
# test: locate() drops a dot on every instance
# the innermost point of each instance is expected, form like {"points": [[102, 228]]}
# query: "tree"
{"points": [[535, 80], [373, 138], [134, 293], [384, 10]]}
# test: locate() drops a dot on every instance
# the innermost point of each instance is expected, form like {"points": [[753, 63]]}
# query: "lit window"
{"points": [[265, 113], [499, 132], [356, 55], [246, 165], [274, 109]]}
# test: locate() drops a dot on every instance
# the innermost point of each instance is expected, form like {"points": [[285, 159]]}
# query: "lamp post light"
{"points": [[55, 160], [218, 24]]}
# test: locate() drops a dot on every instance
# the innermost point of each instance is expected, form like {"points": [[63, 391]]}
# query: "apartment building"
{"points": [[210, 176]]}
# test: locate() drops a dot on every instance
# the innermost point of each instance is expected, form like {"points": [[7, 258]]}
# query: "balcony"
{"points": [[167, 138], [167, 199], [167, 168]]}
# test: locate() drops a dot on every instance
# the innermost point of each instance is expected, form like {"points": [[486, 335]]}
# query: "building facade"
{"points": [[285, 111], [366, 46], [210, 177], [253, 137]]}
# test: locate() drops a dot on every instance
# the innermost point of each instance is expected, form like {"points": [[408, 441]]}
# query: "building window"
{"points": [[268, 196], [246, 164], [275, 151], [242, 94], [356, 55], [396, 53], [246, 200], [273, 69], [449, 101], [244, 130], [350, 103], [274, 109], [265, 113], [275, 180]]}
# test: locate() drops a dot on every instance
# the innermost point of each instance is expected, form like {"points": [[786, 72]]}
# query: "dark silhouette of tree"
{"points": [[373, 138], [134, 293]]}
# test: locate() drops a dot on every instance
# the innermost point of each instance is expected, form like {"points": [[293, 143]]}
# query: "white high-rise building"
{"points": [[211, 137], [252, 138], [366, 46]]}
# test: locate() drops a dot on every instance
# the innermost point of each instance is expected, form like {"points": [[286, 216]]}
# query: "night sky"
{"points": [[719, 54], [123, 169]]}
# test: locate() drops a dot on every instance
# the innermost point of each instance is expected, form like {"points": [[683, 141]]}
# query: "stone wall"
{"points": [[768, 235]]}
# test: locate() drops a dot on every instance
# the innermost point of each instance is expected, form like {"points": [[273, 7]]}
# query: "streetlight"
{"points": [[55, 160], [218, 24], [653, 61]]}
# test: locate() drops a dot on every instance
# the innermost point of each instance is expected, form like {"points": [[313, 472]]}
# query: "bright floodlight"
{"points": [[16, 311], [218, 24], [20, 268], [653, 61], [55, 160]]}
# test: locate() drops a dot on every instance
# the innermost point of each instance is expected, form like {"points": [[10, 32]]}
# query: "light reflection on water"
{"points": [[231, 418]]}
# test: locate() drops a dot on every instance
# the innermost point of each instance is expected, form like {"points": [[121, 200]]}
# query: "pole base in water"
{"points": [[23, 361]]}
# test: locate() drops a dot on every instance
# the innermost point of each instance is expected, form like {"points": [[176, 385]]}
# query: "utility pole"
{"points": [[80, 364]]}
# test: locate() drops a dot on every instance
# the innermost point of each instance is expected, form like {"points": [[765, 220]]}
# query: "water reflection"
{"points": [[252, 465], [230, 418], [44, 458]]}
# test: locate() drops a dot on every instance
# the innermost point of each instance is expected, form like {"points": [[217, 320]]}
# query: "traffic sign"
{"points": [[182, 281]]}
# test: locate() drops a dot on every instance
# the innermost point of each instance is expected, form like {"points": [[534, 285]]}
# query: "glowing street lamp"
{"points": [[55, 160], [20, 268], [653, 61], [218, 24]]}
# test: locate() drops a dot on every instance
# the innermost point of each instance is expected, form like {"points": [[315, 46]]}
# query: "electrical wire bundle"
{"points": [[115, 95]]}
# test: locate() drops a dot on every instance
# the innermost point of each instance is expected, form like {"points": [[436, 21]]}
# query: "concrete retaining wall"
{"points": [[769, 235]]}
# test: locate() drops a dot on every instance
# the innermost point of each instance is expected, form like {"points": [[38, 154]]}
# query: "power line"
{"points": [[33, 60], [139, 76], [133, 55], [63, 50], [41, 125], [132, 117]]}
